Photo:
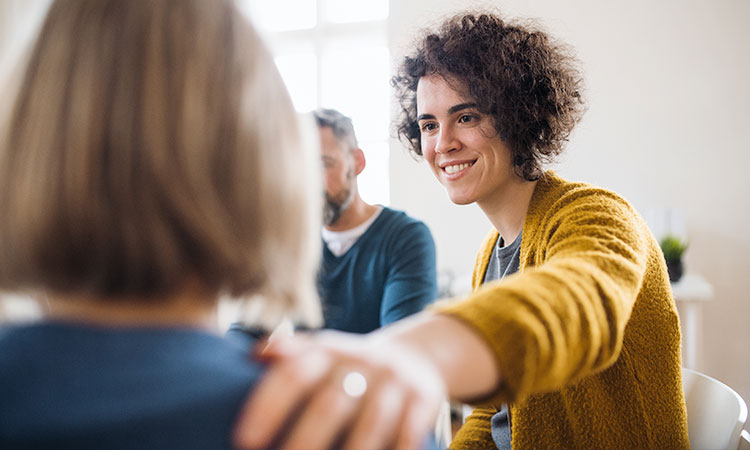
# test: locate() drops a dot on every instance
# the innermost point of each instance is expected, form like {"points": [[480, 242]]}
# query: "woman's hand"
{"points": [[302, 402]]}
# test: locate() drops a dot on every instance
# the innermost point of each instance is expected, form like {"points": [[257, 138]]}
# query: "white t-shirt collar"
{"points": [[339, 242]]}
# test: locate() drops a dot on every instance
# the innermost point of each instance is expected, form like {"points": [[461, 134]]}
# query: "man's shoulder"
{"points": [[396, 226], [396, 232], [399, 218]]}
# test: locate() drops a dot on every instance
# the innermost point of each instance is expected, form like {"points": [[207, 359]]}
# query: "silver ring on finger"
{"points": [[354, 384]]}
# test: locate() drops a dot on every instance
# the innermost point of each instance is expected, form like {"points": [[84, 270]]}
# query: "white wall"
{"points": [[18, 20], [668, 85]]}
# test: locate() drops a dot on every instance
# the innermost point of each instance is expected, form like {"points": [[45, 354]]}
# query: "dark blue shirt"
{"points": [[85, 387], [66, 386], [388, 274]]}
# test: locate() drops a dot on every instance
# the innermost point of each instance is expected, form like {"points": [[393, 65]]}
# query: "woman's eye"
{"points": [[466, 118], [429, 126]]}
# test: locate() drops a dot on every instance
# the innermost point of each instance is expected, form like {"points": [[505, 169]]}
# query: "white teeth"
{"points": [[456, 168]]}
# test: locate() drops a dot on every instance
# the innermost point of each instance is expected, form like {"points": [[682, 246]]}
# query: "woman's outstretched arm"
{"points": [[408, 367]]}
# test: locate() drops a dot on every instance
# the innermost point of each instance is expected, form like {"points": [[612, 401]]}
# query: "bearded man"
{"points": [[378, 263]]}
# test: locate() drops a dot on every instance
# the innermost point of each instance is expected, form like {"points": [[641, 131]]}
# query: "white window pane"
{"points": [[355, 80], [373, 181], [299, 73], [343, 11], [281, 15]]}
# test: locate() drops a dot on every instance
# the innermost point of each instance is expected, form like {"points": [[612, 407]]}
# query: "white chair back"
{"points": [[716, 413], [744, 441]]}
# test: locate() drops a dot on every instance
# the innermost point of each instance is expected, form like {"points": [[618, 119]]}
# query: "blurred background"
{"points": [[669, 106]]}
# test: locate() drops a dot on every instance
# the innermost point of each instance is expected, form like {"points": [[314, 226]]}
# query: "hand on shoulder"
{"points": [[335, 388]]}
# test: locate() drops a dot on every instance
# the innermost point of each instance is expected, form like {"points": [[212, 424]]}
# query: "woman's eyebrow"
{"points": [[461, 106], [451, 110]]}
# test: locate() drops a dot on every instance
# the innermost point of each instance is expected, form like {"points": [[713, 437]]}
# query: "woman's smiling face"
{"points": [[460, 144]]}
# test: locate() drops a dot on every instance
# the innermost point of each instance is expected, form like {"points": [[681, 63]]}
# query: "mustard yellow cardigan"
{"points": [[586, 335]]}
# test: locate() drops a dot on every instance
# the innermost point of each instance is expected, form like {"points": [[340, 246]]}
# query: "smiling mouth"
{"points": [[455, 168]]}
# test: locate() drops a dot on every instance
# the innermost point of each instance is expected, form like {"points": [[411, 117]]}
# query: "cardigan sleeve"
{"points": [[475, 433], [563, 316]]}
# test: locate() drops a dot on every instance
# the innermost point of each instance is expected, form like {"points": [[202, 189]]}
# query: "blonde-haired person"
{"points": [[151, 163]]}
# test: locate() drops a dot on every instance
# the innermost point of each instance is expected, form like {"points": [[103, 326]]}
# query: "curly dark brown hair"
{"points": [[529, 84]]}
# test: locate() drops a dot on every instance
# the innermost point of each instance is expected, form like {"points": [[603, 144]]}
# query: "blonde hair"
{"points": [[153, 142]]}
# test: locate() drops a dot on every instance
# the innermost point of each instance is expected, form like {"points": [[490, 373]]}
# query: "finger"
{"points": [[285, 346], [287, 383], [417, 422], [377, 424], [323, 418]]}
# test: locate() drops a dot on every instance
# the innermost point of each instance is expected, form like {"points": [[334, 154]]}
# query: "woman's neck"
{"points": [[507, 209]]}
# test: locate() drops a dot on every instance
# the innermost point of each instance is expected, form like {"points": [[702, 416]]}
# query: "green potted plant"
{"points": [[673, 249]]}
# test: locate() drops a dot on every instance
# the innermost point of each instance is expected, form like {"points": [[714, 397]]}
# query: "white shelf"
{"points": [[689, 293], [692, 287]]}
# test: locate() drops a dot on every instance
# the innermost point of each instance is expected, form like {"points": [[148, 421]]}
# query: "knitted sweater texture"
{"points": [[586, 334]]}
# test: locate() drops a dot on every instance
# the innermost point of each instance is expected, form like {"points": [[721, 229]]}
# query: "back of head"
{"points": [[526, 82], [153, 143]]}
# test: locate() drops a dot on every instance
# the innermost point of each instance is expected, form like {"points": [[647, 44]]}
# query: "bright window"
{"points": [[300, 73], [334, 54], [282, 15], [346, 11]]}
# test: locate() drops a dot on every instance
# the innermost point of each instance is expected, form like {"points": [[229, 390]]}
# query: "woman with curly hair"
{"points": [[570, 338]]}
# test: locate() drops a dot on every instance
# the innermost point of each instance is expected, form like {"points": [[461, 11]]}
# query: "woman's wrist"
{"points": [[463, 358]]}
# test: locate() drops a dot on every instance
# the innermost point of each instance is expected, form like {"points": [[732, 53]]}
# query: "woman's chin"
{"points": [[460, 198]]}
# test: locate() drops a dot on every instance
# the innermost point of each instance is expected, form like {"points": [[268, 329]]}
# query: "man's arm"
{"points": [[412, 280]]}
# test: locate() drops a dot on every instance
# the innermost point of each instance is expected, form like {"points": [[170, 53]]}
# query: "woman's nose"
{"points": [[446, 142]]}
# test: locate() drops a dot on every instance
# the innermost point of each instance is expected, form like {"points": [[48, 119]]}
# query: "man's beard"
{"points": [[333, 207]]}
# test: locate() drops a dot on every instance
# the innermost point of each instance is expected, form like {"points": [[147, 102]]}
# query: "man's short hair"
{"points": [[340, 124], [139, 157]]}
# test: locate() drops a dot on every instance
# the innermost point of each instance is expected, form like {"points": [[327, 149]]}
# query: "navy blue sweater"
{"points": [[66, 386], [388, 274], [86, 387]]}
